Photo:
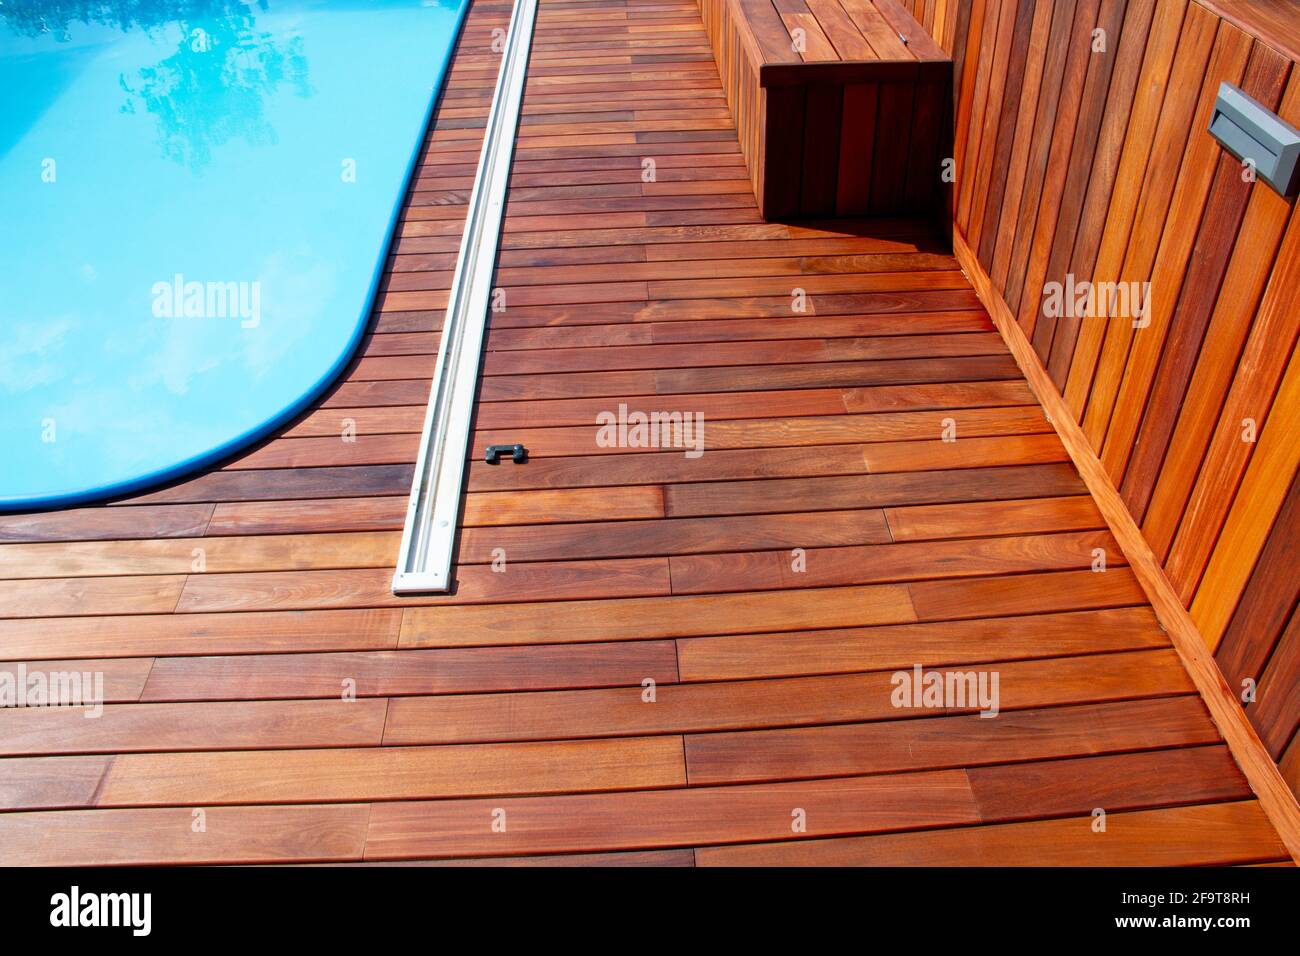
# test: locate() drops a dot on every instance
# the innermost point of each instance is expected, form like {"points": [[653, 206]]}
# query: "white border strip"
{"points": [[424, 561]]}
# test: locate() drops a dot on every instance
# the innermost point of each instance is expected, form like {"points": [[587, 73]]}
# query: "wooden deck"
{"points": [[234, 613]]}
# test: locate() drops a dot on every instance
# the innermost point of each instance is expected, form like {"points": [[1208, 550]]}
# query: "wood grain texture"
{"points": [[1113, 183], [705, 707], [1270, 596], [627, 668], [844, 650], [946, 741], [686, 817], [388, 773], [1276, 799], [142, 837], [1226, 833]]}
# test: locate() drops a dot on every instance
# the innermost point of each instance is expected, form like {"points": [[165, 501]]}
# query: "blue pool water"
{"points": [[195, 204]]}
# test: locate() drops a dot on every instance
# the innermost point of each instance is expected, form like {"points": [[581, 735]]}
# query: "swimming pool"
{"points": [[196, 205]]}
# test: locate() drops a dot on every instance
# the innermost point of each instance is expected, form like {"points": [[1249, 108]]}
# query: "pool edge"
{"points": [[242, 442]]}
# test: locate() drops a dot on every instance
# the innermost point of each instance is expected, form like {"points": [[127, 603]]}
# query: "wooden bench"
{"points": [[840, 105]]}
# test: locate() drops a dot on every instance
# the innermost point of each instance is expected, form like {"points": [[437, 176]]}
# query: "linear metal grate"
{"points": [[428, 537]]}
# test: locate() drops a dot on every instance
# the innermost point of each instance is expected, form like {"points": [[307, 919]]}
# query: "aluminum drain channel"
{"points": [[429, 534]]}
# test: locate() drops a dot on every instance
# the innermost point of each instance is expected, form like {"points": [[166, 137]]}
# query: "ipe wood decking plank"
{"points": [[670, 536], [367, 420], [123, 678], [232, 835], [549, 506], [949, 394], [1119, 782], [86, 524], [320, 514], [846, 374], [1020, 594], [43, 783], [843, 650], [378, 394], [732, 331], [870, 564], [649, 209], [643, 618], [853, 230], [832, 807], [135, 634], [233, 725], [691, 816], [1203, 834], [731, 465], [392, 673], [798, 245], [831, 493], [1008, 399], [1075, 513], [739, 705], [790, 351], [560, 412], [291, 776], [119, 595], [594, 471], [775, 432], [382, 449], [366, 587], [947, 741], [737, 307], [658, 858], [184, 555], [285, 484], [882, 457], [813, 284]]}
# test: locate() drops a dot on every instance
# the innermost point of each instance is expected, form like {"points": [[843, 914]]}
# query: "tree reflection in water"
{"points": [[211, 90]]}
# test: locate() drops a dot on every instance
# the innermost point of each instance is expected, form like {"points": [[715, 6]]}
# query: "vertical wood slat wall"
{"points": [[1097, 165], [939, 17], [738, 59]]}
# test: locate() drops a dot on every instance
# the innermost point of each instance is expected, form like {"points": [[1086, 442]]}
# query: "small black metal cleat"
{"points": [[518, 453]]}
